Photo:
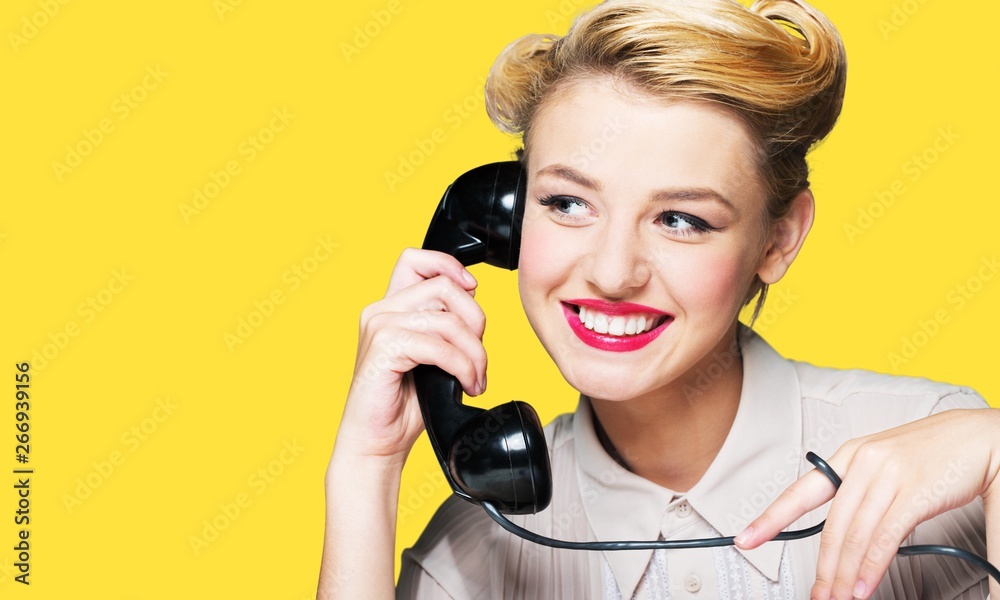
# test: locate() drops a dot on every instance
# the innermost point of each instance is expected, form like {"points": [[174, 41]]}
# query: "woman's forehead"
{"points": [[624, 138]]}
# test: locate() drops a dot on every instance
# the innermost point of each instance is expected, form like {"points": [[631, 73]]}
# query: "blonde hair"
{"points": [[780, 66]]}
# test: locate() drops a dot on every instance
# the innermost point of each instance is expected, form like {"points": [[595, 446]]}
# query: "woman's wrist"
{"points": [[362, 496], [359, 467]]}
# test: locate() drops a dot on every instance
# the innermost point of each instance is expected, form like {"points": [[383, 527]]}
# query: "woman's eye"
{"points": [[565, 205], [684, 223]]}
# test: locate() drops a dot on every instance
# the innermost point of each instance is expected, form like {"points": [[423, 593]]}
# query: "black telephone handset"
{"points": [[497, 455]]}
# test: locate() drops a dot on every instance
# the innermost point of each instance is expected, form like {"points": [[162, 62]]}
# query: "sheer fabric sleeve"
{"points": [[415, 583], [453, 557]]}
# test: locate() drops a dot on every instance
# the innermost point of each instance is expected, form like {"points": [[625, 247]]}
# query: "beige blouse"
{"points": [[786, 409]]}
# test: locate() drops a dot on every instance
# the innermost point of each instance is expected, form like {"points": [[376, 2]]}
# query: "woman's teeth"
{"points": [[618, 325]]}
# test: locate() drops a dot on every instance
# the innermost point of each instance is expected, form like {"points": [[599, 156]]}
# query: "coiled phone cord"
{"points": [[820, 465]]}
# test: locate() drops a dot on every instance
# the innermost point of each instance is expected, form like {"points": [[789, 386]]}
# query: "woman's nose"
{"points": [[617, 264]]}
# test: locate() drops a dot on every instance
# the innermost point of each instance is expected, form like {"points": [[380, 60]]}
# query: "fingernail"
{"points": [[469, 279], [745, 536], [860, 589], [482, 386]]}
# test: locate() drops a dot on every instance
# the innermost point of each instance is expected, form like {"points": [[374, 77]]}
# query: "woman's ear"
{"points": [[786, 237]]}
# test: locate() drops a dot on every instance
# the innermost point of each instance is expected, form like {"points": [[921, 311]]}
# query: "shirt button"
{"points": [[683, 510], [692, 583]]}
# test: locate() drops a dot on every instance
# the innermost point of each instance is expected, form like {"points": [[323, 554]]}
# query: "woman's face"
{"points": [[634, 201]]}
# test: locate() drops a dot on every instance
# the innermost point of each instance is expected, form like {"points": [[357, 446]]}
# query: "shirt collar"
{"points": [[758, 460]]}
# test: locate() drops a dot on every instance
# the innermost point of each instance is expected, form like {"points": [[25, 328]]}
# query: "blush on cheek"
{"points": [[716, 283], [533, 248], [539, 264], [541, 240]]}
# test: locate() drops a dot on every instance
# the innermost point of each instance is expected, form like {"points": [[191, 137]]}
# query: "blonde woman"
{"points": [[634, 264]]}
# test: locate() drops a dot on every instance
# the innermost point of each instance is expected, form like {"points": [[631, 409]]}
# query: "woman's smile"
{"points": [[618, 327]]}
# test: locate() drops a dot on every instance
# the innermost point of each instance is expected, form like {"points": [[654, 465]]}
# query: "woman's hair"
{"points": [[779, 65]]}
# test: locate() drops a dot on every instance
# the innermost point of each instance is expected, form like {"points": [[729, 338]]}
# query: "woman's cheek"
{"points": [[715, 281], [540, 262]]}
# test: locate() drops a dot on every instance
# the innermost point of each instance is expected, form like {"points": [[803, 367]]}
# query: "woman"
{"points": [[637, 255]]}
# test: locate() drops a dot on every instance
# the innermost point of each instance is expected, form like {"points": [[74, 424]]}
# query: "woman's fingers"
{"points": [[805, 494], [438, 307], [381, 417], [414, 265], [892, 481], [401, 341], [428, 316], [864, 566], [440, 293], [835, 537], [854, 516]]}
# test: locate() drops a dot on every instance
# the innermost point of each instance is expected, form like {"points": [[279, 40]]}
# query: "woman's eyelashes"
{"points": [[685, 223], [562, 206], [572, 209]]}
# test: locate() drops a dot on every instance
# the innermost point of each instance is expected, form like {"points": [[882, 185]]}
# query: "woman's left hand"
{"points": [[892, 481]]}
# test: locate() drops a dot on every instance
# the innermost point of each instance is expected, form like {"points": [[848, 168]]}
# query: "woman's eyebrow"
{"points": [[695, 193], [698, 193], [570, 174]]}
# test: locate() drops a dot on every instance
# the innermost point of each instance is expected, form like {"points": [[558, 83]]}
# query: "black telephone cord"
{"points": [[818, 462]]}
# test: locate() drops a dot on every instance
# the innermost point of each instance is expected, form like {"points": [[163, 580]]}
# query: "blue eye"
{"points": [[684, 223], [564, 205]]}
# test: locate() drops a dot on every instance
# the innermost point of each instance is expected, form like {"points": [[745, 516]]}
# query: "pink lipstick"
{"points": [[613, 343]]}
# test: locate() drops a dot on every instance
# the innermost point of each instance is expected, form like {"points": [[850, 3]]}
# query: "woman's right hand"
{"points": [[428, 316]]}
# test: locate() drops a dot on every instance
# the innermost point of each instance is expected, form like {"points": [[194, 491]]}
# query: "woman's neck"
{"points": [[672, 437]]}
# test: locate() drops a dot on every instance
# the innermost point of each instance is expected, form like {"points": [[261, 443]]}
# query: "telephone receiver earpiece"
{"points": [[497, 455]]}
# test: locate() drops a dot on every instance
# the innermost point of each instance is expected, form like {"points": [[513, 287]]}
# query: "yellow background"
{"points": [[271, 403]]}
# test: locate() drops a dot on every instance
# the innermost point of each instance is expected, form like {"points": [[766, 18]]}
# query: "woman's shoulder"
{"points": [[849, 392], [861, 389]]}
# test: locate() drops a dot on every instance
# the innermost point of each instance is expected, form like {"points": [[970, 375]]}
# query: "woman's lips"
{"points": [[613, 343], [614, 308]]}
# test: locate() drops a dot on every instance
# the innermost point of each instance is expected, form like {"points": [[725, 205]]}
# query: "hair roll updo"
{"points": [[779, 66]]}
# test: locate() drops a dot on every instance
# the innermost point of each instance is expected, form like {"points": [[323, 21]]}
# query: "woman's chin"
{"points": [[607, 391]]}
